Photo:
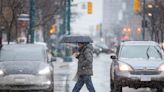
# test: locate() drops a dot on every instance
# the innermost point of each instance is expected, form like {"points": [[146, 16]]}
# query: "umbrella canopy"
{"points": [[76, 39]]}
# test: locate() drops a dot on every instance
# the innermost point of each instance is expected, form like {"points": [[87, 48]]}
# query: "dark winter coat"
{"points": [[85, 60]]}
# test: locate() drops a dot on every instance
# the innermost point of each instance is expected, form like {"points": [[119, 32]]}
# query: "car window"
{"points": [[101, 45], [146, 52], [22, 54]]}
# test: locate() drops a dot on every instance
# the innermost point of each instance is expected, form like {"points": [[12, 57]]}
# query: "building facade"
{"points": [[118, 16]]}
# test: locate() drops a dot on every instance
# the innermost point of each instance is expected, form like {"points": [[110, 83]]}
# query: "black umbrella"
{"points": [[75, 39]]}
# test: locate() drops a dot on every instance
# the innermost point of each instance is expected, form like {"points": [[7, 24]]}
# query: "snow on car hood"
{"points": [[139, 63], [22, 67]]}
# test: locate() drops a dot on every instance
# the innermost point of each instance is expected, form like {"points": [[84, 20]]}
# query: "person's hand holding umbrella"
{"points": [[76, 54]]}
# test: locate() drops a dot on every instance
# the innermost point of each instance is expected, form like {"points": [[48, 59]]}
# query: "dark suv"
{"points": [[137, 64]]}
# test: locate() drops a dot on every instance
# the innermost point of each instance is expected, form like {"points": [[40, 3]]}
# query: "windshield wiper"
{"points": [[158, 52], [147, 52]]}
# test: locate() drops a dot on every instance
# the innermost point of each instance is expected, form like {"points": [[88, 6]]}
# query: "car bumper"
{"points": [[25, 82], [138, 81]]}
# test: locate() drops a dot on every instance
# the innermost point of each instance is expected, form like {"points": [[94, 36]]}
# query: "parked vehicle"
{"points": [[96, 50], [25, 67], [103, 48], [137, 64]]}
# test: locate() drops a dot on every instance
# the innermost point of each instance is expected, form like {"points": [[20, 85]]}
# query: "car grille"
{"points": [[19, 71], [145, 72]]}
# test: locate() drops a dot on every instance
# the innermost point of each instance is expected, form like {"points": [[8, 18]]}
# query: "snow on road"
{"points": [[101, 66], [65, 71]]}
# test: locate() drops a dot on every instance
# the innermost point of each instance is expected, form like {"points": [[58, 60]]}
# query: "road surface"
{"points": [[65, 73]]}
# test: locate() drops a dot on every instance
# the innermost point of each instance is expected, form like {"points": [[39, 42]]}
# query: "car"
{"points": [[137, 64], [103, 48], [96, 50], [25, 67]]}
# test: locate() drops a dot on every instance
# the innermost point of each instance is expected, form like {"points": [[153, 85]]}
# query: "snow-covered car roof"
{"points": [[139, 43], [17, 46]]}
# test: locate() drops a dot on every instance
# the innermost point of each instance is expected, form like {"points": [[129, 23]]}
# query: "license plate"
{"points": [[145, 78], [20, 80]]}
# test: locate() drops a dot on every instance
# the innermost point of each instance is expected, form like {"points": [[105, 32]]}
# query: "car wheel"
{"points": [[111, 80], [112, 90], [111, 84], [112, 87], [5, 91], [159, 90], [50, 90], [117, 87]]}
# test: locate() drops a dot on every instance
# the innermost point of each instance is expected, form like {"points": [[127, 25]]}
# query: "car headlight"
{"points": [[44, 71], [161, 68], [124, 67], [100, 49], [1, 72]]}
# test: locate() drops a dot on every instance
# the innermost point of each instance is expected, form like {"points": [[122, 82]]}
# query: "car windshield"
{"points": [[22, 54], [143, 52]]}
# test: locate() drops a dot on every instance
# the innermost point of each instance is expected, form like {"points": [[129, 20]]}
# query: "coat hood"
{"points": [[89, 46]]}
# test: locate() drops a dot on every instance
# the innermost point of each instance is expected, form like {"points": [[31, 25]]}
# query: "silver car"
{"points": [[137, 64], [25, 67]]}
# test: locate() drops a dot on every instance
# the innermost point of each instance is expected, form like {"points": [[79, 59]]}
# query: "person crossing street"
{"points": [[85, 67]]}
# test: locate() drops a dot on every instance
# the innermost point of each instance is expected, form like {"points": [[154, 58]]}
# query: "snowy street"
{"points": [[65, 72]]}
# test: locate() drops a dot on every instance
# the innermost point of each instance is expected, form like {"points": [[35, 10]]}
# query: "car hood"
{"points": [[142, 63], [22, 67]]}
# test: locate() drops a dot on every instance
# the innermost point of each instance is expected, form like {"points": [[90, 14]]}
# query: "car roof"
{"points": [[152, 43], [19, 46]]}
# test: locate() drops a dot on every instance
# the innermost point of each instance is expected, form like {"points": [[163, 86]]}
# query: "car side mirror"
{"points": [[113, 57], [53, 59]]}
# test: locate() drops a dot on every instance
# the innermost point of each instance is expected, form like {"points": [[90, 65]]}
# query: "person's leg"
{"points": [[89, 84], [79, 84]]}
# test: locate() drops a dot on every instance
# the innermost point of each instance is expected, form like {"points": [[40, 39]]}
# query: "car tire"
{"points": [[159, 90], [50, 90], [111, 84], [5, 91], [117, 87], [111, 80], [112, 90]]}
